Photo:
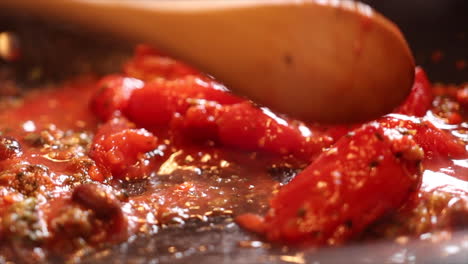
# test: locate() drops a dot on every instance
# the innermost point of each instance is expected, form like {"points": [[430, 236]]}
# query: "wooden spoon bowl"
{"points": [[323, 60]]}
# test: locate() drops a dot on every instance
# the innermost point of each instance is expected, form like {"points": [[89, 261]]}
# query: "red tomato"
{"points": [[159, 100], [364, 176], [149, 63], [113, 95], [198, 123], [121, 150], [246, 127], [420, 97], [435, 142]]}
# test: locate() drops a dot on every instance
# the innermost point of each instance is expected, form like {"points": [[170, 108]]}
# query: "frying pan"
{"points": [[52, 52]]}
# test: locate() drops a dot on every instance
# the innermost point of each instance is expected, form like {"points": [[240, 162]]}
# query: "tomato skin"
{"points": [[252, 222], [420, 98], [345, 189], [155, 104], [148, 64], [198, 124], [113, 94], [246, 127], [437, 144], [119, 149], [158, 101]]}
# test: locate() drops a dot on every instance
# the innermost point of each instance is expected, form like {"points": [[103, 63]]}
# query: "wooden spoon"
{"points": [[322, 60]]}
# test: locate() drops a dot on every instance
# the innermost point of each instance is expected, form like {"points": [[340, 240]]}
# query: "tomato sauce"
{"points": [[93, 161]]}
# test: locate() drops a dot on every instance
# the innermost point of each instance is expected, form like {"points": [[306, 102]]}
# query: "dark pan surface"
{"points": [[62, 51]]}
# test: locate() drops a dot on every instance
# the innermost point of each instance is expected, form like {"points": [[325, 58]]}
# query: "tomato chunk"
{"points": [[120, 150], [113, 95], [148, 63], [158, 102], [435, 142], [420, 97], [198, 123], [363, 177], [246, 127]]}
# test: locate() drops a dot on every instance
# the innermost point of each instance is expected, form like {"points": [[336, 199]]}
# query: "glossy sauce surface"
{"points": [[191, 172]]}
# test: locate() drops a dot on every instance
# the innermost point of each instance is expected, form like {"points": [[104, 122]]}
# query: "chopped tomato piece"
{"points": [[148, 63], [246, 127], [113, 95], [155, 104], [360, 179], [435, 142], [420, 97], [121, 151], [158, 102], [252, 222], [454, 118], [198, 123]]}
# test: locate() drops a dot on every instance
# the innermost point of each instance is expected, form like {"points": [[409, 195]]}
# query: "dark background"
{"points": [[433, 25]]}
